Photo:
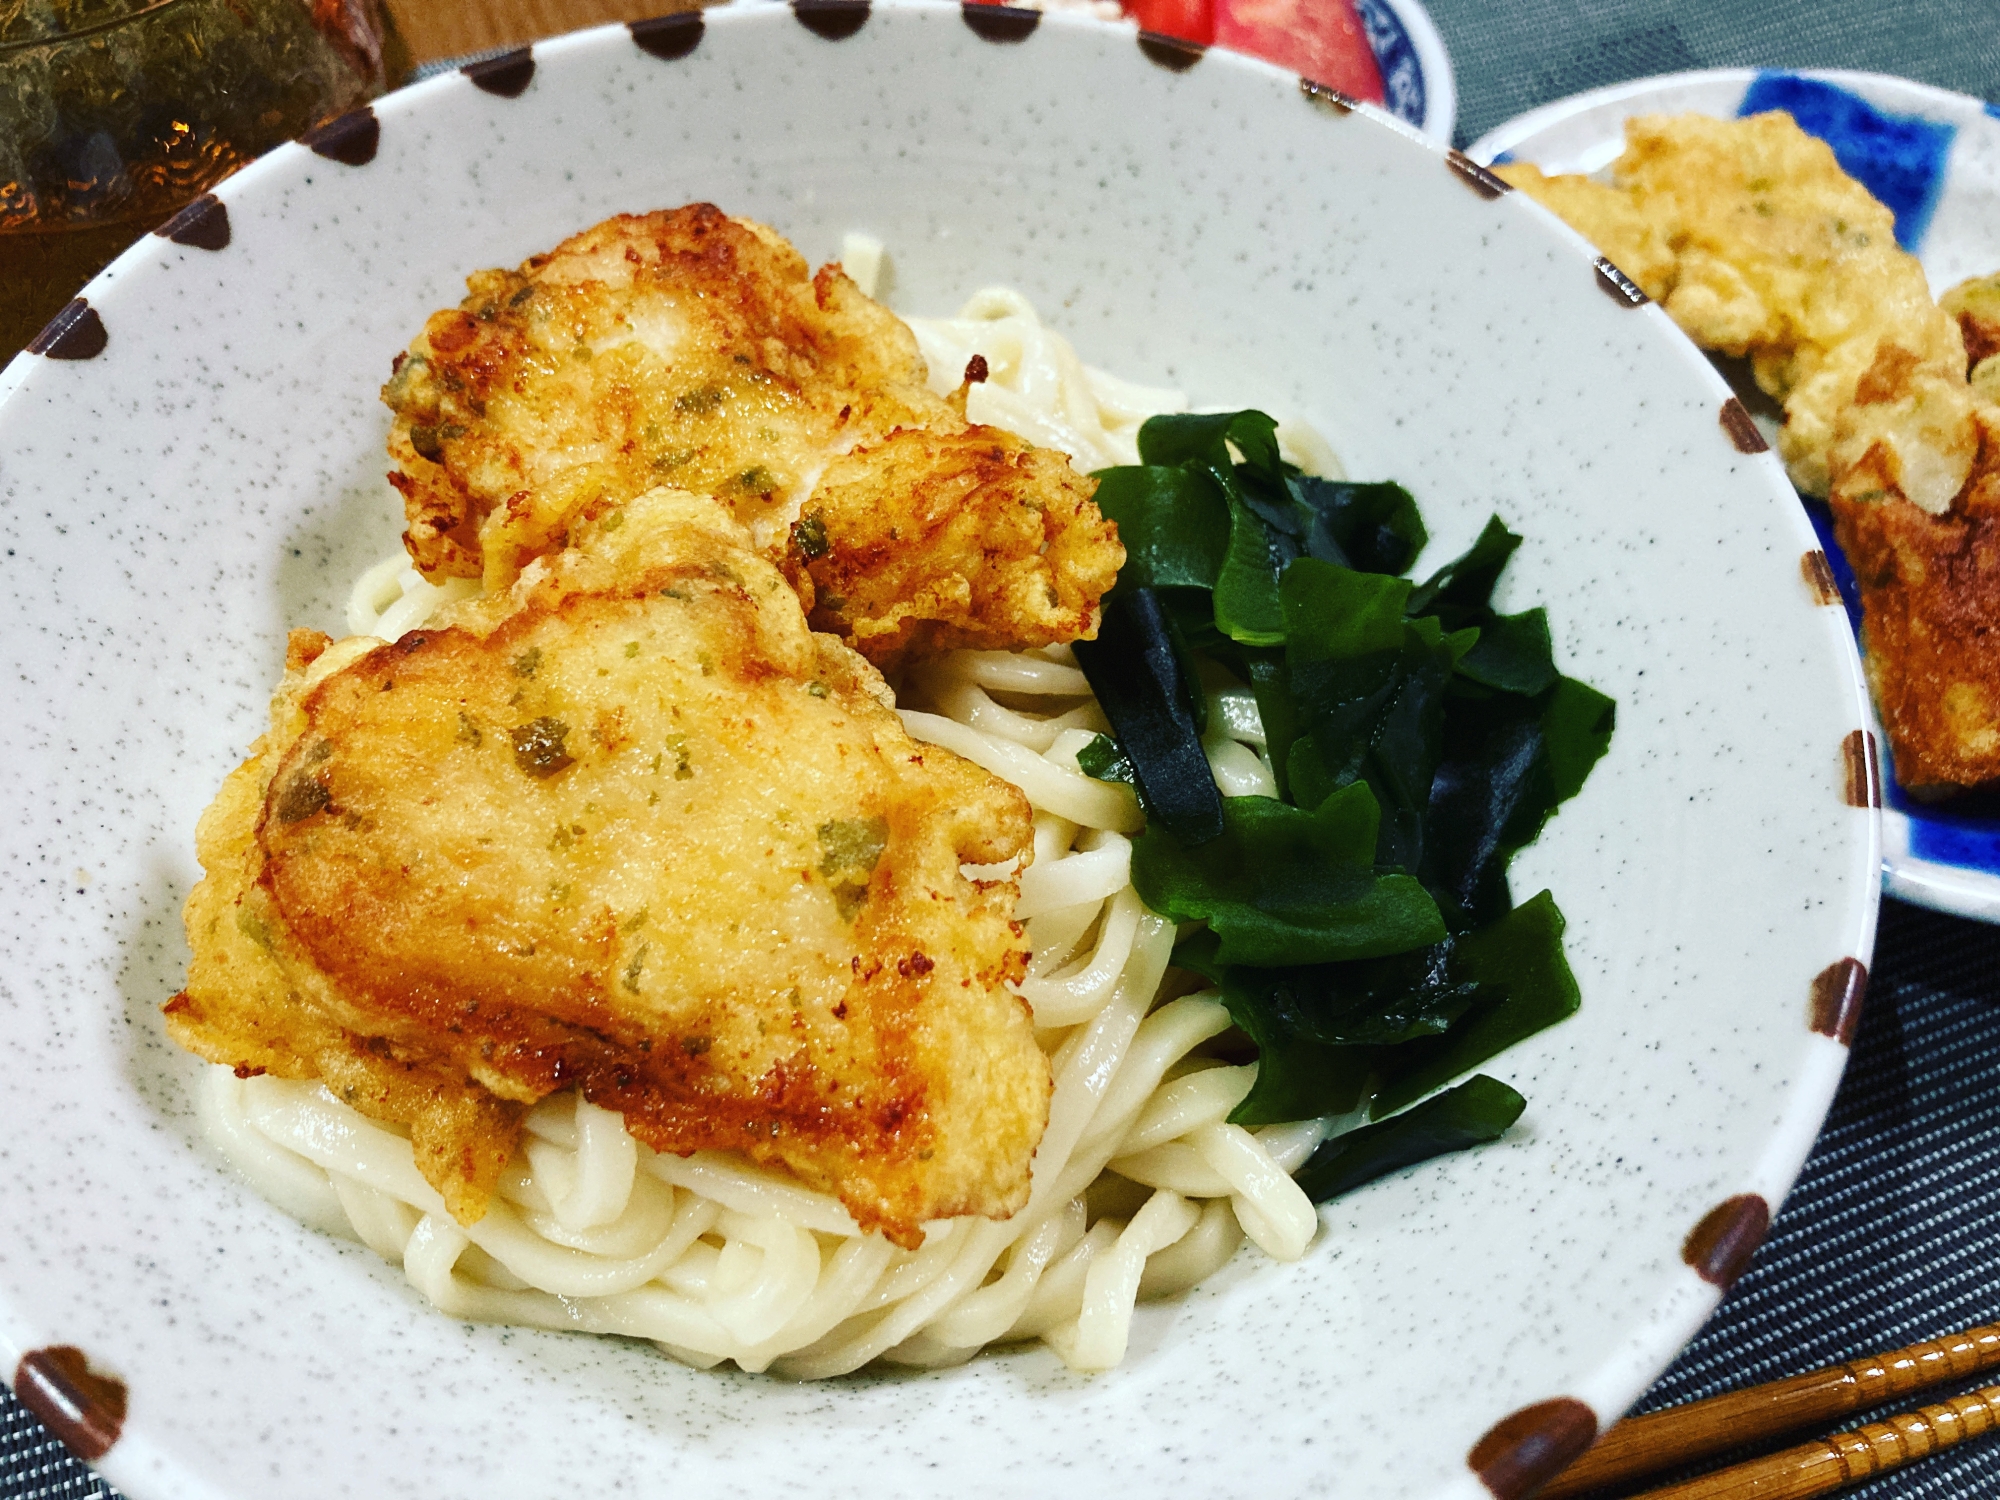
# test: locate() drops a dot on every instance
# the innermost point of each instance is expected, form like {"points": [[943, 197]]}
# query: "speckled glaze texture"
{"points": [[1932, 856], [214, 474]]}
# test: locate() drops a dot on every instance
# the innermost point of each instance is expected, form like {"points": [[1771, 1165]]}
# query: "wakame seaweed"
{"points": [[1143, 676], [1478, 1110], [1359, 926]]}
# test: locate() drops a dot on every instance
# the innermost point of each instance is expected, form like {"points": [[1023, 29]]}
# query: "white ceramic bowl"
{"points": [[1418, 85], [211, 473]]}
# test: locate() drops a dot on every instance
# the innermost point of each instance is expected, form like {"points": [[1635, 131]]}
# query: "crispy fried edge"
{"points": [[462, 1136]]}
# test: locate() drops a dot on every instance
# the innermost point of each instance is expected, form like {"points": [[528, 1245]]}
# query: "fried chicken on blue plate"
{"points": [[1758, 245]]}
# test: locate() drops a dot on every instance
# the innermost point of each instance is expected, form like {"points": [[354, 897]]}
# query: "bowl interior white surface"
{"points": [[214, 476], [1586, 133]]}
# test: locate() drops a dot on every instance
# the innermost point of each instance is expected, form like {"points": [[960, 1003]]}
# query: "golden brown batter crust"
{"points": [[1930, 593], [924, 542], [1756, 243], [692, 349], [629, 827]]}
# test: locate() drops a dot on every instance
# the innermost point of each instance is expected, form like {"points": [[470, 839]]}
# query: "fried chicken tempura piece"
{"points": [[692, 349], [1028, 555], [1756, 243], [236, 1008], [630, 827], [1930, 597], [1975, 303], [1930, 591]]}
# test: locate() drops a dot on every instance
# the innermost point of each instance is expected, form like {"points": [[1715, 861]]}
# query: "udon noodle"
{"points": [[1141, 1186]]}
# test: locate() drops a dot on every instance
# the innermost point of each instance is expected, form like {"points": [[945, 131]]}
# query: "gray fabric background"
{"points": [[1893, 1233], [1509, 58]]}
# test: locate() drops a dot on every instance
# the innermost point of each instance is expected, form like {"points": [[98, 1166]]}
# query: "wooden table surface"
{"points": [[450, 28]]}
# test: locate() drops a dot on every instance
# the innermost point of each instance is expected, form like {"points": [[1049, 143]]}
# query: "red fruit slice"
{"points": [[1190, 20], [1318, 39]]}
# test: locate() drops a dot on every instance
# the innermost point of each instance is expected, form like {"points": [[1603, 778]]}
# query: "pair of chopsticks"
{"points": [[1640, 1446]]}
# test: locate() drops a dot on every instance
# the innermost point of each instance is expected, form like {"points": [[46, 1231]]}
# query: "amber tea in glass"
{"points": [[114, 113]]}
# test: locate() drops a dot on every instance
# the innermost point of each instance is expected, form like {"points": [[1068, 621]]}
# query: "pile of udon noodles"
{"points": [[1141, 1187]]}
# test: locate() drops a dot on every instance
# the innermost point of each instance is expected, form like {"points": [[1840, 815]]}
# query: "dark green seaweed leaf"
{"points": [[1205, 438], [1463, 587], [1142, 681], [1271, 685], [1513, 654], [1193, 614], [1370, 1002], [1479, 1110], [1174, 524], [1102, 760], [1375, 528], [1370, 685], [1246, 580], [1309, 780], [1489, 796], [1577, 721], [1247, 607], [1508, 762], [1297, 1077], [1285, 886], [1519, 959], [1341, 614], [1273, 503]]}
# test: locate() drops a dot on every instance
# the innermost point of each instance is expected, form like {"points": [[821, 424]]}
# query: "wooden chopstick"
{"points": [[1820, 1468], [1639, 1446]]}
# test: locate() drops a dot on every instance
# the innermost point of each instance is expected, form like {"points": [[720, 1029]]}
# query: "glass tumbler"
{"points": [[115, 113]]}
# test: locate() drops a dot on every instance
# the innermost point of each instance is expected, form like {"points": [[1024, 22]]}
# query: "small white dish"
{"points": [[195, 463], [1938, 856]]}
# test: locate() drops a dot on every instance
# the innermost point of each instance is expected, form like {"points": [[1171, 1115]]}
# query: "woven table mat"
{"points": [[1893, 1231], [1512, 57]]}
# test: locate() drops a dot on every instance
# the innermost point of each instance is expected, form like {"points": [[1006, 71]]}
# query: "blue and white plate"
{"points": [[1934, 158], [1417, 83]]}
